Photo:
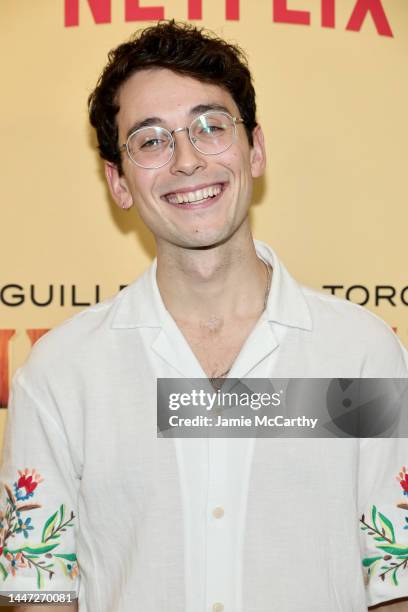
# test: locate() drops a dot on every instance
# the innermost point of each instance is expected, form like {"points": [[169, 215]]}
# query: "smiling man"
{"points": [[94, 501], [189, 169]]}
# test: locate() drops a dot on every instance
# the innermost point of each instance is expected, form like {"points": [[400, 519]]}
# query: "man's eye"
{"points": [[216, 130], [212, 129], [153, 143]]}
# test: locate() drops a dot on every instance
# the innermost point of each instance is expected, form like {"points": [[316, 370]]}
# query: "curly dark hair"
{"points": [[183, 48]]}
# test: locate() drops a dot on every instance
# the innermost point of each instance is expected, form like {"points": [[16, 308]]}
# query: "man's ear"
{"points": [[258, 154], [118, 186]]}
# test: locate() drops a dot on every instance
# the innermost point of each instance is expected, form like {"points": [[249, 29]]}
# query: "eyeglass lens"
{"points": [[210, 133]]}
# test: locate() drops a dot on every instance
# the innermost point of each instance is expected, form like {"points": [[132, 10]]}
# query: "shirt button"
{"points": [[218, 607], [218, 512]]}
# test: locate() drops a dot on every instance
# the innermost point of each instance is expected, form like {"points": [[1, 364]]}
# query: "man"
{"points": [[238, 525]]}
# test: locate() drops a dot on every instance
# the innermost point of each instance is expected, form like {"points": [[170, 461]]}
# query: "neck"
{"points": [[220, 283]]}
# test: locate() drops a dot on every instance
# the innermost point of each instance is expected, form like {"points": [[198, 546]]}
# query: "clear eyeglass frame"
{"points": [[170, 148]]}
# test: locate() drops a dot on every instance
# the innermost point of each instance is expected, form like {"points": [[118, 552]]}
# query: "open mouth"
{"points": [[198, 196]]}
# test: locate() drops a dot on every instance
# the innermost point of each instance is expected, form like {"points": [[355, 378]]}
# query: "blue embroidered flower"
{"points": [[24, 526]]}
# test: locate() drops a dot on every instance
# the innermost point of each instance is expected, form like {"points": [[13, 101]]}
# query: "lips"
{"points": [[194, 196]]}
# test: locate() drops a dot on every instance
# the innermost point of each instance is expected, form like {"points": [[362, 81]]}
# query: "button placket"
{"points": [[218, 567]]}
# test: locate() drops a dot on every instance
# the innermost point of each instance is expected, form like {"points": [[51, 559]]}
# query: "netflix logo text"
{"points": [[281, 12]]}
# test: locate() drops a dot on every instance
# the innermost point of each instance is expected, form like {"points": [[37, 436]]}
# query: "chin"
{"points": [[206, 239]]}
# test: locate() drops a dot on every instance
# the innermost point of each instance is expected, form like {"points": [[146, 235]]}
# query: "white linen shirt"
{"points": [[200, 525]]}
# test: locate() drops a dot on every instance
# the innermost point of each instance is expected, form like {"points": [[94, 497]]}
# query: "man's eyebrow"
{"points": [[196, 110], [144, 123], [203, 108]]}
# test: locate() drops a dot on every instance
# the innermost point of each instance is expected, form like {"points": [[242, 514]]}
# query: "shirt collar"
{"points": [[140, 304], [287, 303]]}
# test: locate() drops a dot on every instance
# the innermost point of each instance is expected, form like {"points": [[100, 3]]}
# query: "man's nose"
{"points": [[186, 159]]}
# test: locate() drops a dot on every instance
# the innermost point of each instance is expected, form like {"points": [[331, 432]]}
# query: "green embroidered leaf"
{"points": [[388, 527], [49, 526], [37, 550], [62, 513], [63, 567], [73, 557], [56, 536], [3, 570], [40, 581], [394, 577], [373, 516], [394, 549], [369, 561], [380, 539]]}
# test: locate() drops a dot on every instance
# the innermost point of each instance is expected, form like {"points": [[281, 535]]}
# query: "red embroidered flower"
{"points": [[28, 481], [403, 479]]}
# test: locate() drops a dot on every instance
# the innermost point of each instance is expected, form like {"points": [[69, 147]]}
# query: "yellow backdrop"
{"points": [[333, 104]]}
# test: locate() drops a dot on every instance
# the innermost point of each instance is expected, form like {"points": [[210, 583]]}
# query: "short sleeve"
{"points": [[383, 517], [38, 503]]}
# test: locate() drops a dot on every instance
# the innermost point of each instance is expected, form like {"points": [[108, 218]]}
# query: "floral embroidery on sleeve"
{"points": [[21, 545], [392, 557], [402, 478]]}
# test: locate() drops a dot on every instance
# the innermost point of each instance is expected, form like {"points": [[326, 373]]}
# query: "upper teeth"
{"points": [[194, 196]]}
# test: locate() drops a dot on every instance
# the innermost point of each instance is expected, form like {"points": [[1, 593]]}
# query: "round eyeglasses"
{"points": [[153, 146]]}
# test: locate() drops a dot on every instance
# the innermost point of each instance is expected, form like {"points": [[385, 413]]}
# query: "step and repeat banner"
{"points": [[331, 80]]}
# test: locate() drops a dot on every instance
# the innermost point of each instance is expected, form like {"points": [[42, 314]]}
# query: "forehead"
{"points": [[167, 95]]}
